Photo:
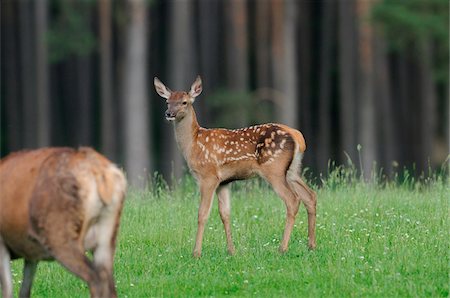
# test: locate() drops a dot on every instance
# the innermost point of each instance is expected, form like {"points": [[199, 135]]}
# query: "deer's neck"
{"points": [[186, 131]]}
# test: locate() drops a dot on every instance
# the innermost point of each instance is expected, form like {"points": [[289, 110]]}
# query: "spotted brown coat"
{"points": [[219, 156]]}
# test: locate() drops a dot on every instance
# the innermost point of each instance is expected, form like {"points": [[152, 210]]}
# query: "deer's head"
{"points": [[179, 103]]}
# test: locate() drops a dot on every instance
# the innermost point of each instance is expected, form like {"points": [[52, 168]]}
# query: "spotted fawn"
{"points": [[219, 156]]}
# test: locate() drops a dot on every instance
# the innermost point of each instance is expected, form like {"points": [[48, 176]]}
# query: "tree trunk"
{"points": [[387, 143], [404, 104], [427, 107], [446, 123], [284, 59], [367, 132], [236, 51], [42, 74], [182, 73], [27, 71], [135, 99], [120, 46], [210, 44], [57, 104], [347, 76], [290, 81], [262, 44], [85, 125], [10, 58], [327, 33], [278, 58], [305, 80], [108, 130], [70, 104]]}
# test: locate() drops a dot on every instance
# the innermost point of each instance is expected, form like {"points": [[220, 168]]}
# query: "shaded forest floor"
{"points": [[371, 241]]}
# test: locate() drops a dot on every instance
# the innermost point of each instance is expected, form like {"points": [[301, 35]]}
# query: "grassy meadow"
{"points": [[372, 241]]}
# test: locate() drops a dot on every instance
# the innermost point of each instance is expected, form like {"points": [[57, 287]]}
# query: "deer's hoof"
{"points": [[282, 249], [197, 254], [231, 251]]}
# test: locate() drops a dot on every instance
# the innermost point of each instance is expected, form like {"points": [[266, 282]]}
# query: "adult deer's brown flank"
{"points": [[217, 157], [57, 203]]}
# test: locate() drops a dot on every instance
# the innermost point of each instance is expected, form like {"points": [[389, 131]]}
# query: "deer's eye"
{"points": [[184, 103]]}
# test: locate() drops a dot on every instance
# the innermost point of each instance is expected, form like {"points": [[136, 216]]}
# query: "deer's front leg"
{"points": [[5, 271], [207, 188]]}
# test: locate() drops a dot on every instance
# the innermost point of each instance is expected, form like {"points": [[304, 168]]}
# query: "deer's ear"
{"points": [[162, 90], [196, 88]]}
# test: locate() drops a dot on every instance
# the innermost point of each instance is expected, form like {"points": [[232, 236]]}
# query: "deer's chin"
{"points": [[170, 119]]}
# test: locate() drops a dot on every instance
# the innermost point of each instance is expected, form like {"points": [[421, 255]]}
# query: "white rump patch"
{"points": [[295, 167]]}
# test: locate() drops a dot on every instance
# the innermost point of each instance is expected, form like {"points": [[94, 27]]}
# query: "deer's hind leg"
{"points": [[284, 191], [60, 225], [66, 246], [223, 194], [309, 199]]}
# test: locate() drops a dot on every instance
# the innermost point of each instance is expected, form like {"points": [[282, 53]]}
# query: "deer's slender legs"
{"points": [[309, 198], [223, 194], [207, 188], [282, 188], [29, 269], [5, 271]]}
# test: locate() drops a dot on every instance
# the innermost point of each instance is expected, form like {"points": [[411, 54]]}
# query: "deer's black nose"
{"points": [[169, 115]]}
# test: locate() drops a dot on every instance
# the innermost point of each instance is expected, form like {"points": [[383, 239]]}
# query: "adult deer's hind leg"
{"points": [[223, 194], [106, 233], [71, 255], [64, 240]]}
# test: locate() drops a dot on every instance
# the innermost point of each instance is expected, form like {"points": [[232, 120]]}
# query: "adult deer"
{"points": [[57, 203], [217, 157]]}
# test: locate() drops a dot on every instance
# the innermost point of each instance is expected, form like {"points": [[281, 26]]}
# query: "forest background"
{"points": [[364, 80]]}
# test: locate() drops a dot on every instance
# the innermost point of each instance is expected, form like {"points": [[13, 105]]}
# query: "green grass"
{"points": [[387, 241]]}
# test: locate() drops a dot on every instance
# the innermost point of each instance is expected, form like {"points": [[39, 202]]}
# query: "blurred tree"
{"points": [[284, 49], [182, 66], [262, 44], [347, 78], [367, 131], [306, 69], [84, 130], [236, 46], [225, 102], [389, 91], [418, 29], [324, 143], [107, 103], [42, 74], [28, 73], [71, 42], [427, 106], [210, 44], [386, 147], [135, 96], [11, 114], [70, 32]]}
